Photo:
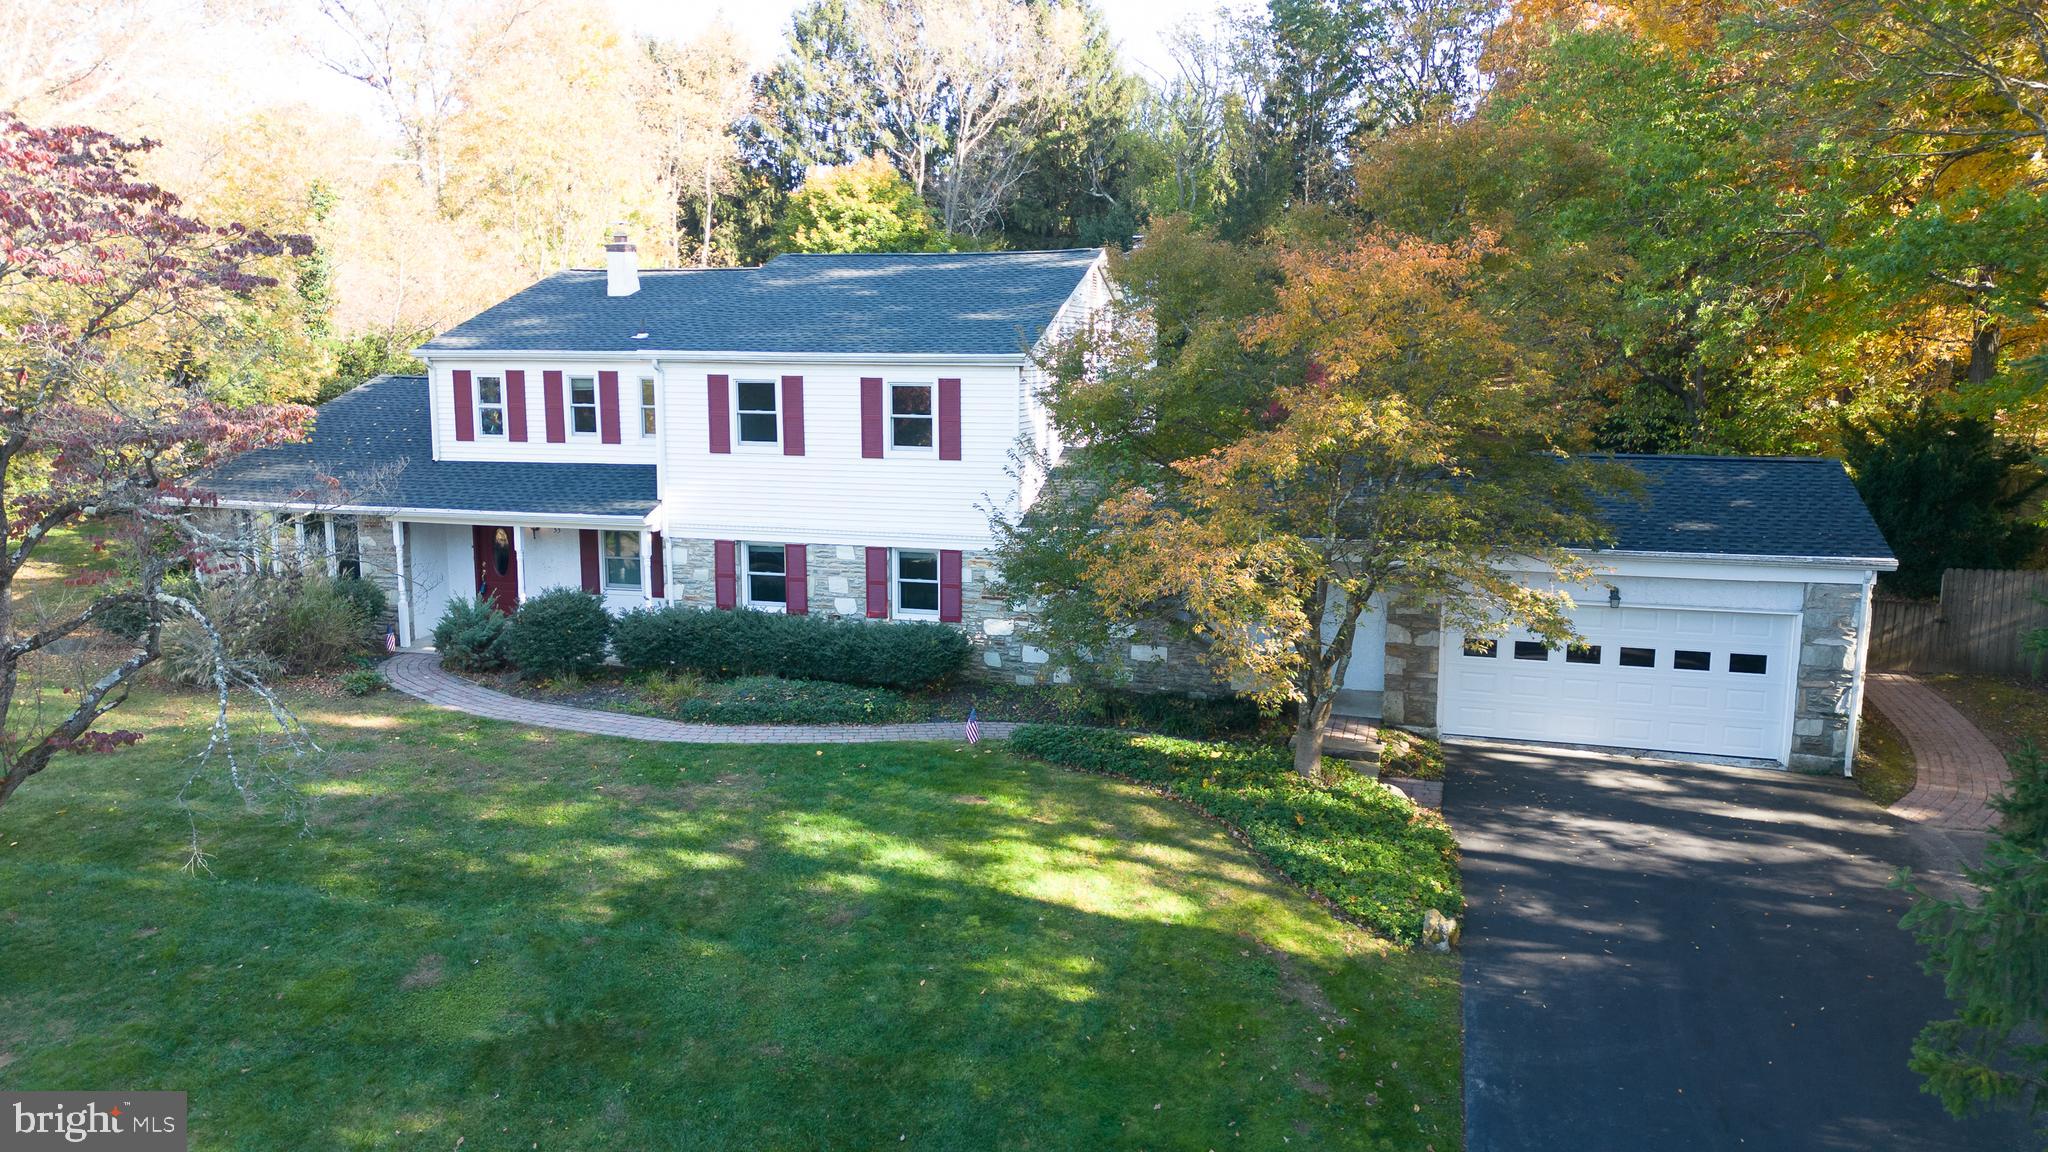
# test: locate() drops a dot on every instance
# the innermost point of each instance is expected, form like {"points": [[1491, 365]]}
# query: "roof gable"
{"points": [[960, 303]]}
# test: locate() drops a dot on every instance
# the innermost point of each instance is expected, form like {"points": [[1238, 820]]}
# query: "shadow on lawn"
{"points": [[518, 938]]}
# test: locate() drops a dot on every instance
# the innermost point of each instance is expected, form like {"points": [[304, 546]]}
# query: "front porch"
{"points": [[511, 559]]}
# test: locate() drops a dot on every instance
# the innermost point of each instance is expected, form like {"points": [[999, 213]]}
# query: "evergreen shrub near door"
{"points": [[561, 632], [886, 654], [1371, 853], [471, 635]]}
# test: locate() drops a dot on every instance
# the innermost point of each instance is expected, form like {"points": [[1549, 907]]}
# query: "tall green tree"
{"points": [[1946, 491], [1991, 951]]}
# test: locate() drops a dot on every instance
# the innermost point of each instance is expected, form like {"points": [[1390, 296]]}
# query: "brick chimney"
{"points": [[621, 265]]}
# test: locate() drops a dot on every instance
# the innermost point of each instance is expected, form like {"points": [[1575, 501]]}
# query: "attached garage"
{"points": [[1660, 679], [1726, 618]]}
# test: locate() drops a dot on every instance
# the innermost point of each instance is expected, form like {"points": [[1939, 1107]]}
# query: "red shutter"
{"points": [[878, 583], [949, 419], [551, 396], [727, 553], [718, 396], [515, 404], [593, 564], [871, 417], [608, 407], [465, 416], [792, 415], [949, 586], [797, 579], [659, 573]]}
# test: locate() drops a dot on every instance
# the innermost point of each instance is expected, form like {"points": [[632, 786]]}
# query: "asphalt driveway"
{"points": [[1680, 956]]}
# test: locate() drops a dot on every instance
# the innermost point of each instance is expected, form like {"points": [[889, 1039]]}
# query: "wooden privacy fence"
{"points": [[1976, 626]]}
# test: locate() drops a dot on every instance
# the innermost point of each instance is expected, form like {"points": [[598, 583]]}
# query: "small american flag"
{"points": [[973, 727]]}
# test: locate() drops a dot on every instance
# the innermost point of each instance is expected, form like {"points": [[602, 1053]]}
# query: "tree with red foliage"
{"points": [[100, 271]]}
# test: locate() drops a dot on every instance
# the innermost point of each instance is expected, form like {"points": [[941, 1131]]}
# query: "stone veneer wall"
{"points": [[837, 582], [1414, 632], [373, 535], [1829, 620]]}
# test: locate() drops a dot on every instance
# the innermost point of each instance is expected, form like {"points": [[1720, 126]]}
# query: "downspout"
{"points": [[1862, 664]]}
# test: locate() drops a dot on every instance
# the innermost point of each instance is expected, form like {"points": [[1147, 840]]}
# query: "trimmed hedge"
{"points": [[887, 654], [1371, 853], [770, 700], [561, 632]]}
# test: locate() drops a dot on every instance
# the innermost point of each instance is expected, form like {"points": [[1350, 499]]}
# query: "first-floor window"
{"points": [[490, 405], [348, 546], [583, 404], [647, 405], [622, 560], [917, 582], [767, 577]]}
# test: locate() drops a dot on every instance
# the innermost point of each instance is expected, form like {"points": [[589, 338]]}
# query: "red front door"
{"points": [[497, 566]]}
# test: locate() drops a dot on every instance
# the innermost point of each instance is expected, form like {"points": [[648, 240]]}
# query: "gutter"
{"points": [[446, 515], [1879, 563], [641, 356]]}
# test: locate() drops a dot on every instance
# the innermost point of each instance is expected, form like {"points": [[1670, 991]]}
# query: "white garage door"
{"points": [[1660, 679]]}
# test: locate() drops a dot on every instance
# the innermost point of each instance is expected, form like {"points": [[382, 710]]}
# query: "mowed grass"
{"points": [[494, 937]]}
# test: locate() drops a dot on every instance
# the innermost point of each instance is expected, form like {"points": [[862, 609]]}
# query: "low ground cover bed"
{"points": [[1371, 853], [492, 937], [699, 699], [2010, 712]]}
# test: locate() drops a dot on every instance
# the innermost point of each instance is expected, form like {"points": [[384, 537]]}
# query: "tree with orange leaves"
{"points": [[1405, 445]]}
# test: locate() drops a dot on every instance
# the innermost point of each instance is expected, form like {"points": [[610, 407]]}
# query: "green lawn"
{"points": [[495, 937], [2010, 712]]}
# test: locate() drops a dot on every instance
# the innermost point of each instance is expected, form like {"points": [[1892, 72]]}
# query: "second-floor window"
{"points": [[758, 424], [647, 405], [583, 404], [910, 416], [490, 405], [622, 560]]}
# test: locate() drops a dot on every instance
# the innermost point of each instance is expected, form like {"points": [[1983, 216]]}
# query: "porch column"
{"points": [[519, 532], [404, 583], [647, 562], [334, 557]]}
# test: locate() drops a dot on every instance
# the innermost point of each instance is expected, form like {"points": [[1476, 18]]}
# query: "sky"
{"points": [[1138, 25]]}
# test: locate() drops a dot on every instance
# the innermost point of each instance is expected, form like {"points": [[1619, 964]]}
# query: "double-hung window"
{"points": [[583, 405], [647, 405], [348, 546], [490, 405], [911, 424], [622, 560], [767, 577], [758, 424], [917, 583]]}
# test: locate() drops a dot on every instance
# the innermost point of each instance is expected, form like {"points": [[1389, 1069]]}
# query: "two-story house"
{"points": [[828, 434]]}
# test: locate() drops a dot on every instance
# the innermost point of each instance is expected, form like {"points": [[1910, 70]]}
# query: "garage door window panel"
{"points": [[1582, 654], [1748, 663], [1688, 660], [1531, 650], [1482, 648], [1638, 657]]}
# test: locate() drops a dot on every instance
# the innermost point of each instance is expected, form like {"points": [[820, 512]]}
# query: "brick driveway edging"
{"points": [[419, 674], [1959, 769]]}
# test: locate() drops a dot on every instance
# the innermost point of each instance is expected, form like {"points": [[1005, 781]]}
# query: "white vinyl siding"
{"points": [[588, 449]]}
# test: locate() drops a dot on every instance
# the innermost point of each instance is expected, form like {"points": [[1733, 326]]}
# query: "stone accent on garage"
{"points": [[1414, 632], [1005, 650], [1829, 621]]}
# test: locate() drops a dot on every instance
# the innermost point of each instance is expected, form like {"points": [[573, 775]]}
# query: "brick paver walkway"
{"points": [[1960, 770], [419, 674]]}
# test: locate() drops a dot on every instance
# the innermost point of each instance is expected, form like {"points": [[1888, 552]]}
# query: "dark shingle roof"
{"points": [[962, 303], [1746, 506], [377, 441]]}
